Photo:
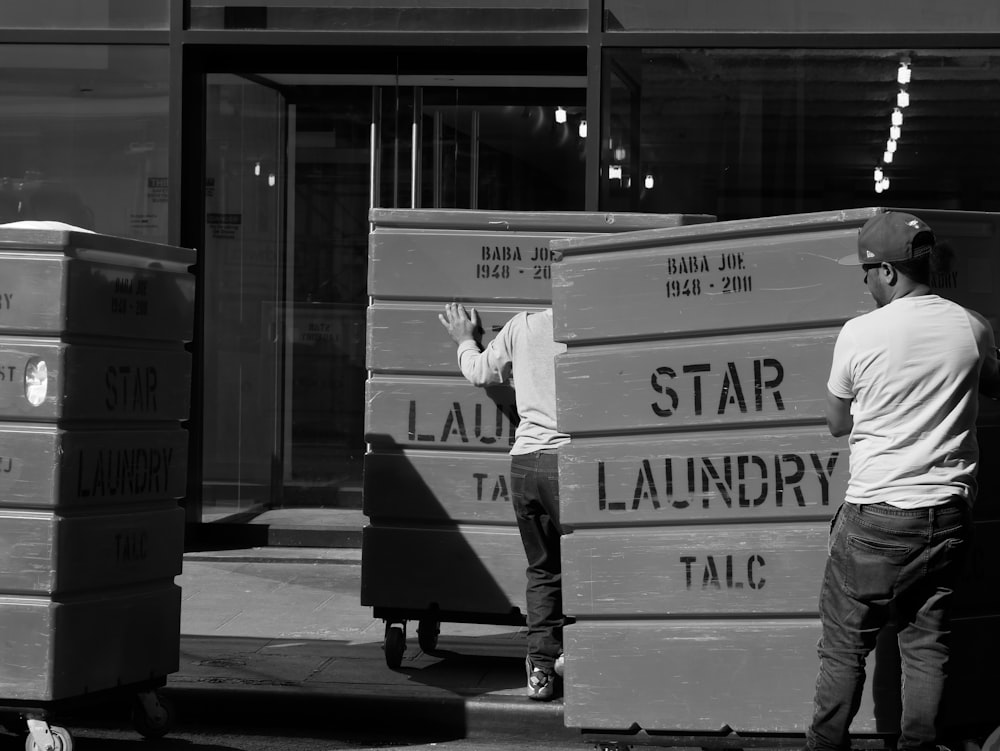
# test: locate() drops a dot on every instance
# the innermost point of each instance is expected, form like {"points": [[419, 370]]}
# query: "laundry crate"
{"points": [[441, 543], [94, 384], [701, 477]]}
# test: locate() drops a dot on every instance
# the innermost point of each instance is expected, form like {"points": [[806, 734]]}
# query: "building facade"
{"points": [[261, 132]]}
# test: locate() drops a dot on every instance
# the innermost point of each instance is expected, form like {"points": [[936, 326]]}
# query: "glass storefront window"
{"points": [[891, 16], [753, 132], [425, 15], [502, 149], [92, 14], [84, 137]]}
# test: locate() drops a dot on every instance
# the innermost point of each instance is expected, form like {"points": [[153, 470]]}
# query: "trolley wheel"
{"points": [[427, 634], [152, 714], [61, 740], [394, 646]]}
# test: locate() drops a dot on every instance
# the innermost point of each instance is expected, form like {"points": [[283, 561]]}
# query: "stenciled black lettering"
{"points": [[755, 582], [412, 433], [759, 384], [731, 380], [645, 486], [741, 463], [793, 480], [665, 390], [454, 424], [824, 474], [697, 369]]}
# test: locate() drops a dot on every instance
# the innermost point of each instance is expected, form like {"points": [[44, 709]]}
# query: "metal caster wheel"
{"points": [[45, 737], [394, 646], [427, 635], [152, 715]]}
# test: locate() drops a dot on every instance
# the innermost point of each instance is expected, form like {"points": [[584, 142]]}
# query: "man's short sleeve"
{"points": [[841, 381]]}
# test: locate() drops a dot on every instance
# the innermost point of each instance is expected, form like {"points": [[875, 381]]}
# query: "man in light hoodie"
{"points": [[523, 354]]}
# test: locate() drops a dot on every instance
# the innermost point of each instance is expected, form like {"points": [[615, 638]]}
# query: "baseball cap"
{"points": [[889, 237]]}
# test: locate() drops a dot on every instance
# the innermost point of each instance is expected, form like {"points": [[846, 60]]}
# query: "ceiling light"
{"points": [[583, 129], [897, 117], [890, 146], [615, 172], [902, 99], [649, 182], [620, 153], [895, 132], [887, 157], [903, 74], [878, 174], [560, 115]]}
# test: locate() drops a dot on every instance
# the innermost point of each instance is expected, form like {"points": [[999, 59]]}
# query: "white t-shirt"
{"points": [[912, 368], [524, 352]]}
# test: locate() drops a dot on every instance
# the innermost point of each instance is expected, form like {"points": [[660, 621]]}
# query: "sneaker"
{"points": [[560, 666], [541, 684]]}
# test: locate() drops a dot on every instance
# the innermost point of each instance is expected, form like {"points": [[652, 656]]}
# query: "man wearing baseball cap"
{"points": [[903, 385]]}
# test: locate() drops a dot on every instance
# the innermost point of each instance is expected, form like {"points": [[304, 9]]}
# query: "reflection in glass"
{"points": [[84, 137], [502, 149], [89, 14], [425, 15], [745, 133], [890, 16]]}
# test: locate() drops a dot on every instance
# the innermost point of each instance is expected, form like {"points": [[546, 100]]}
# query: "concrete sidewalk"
{"points": [[282, 630]]}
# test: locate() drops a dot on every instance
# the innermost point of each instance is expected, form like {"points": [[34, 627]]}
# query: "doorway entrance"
{"points": [[293, 163]]}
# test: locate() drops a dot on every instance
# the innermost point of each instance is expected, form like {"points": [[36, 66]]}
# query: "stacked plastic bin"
{"points": [[701, 477], [442, 543], [94, 384]]}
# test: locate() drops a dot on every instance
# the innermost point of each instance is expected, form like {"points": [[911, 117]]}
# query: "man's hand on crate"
{"points": [[461, 324]]}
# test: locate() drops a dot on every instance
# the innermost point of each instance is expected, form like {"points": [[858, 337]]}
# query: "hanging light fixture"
{"points": [[884, 182], [620, 153], [902, 99], [895, 132], [256, 168], [897, 117], [903, 74], [560, 115], [890, 146], [878, 187], [583, 129], [887, 157], [879, 174], [615, 172], [649, 182]]}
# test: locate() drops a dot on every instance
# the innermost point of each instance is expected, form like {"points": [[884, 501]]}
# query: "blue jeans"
{"points": [[534, 482], [888, 565]]}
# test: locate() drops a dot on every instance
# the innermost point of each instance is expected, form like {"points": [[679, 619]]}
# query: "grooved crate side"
{"points": [[409, 338], [750, 675], [438, 486], [46, 553], [62, 649], [774, 272], [44, 466], [726, 380], [464, 568], [445, 413], [745, 570], [92, 383], [49, 294], [757, 474], [694, 390]]}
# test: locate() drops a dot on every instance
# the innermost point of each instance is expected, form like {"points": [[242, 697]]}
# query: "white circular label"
{"points": [[36, 381]]}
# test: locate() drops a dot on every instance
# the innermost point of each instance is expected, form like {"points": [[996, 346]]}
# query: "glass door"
{"points": [[243, 261]]}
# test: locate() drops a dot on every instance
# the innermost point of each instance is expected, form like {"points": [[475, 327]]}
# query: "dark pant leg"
{"points": [[882, 557], [925, 620], [850, 628], [535, 495]]}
